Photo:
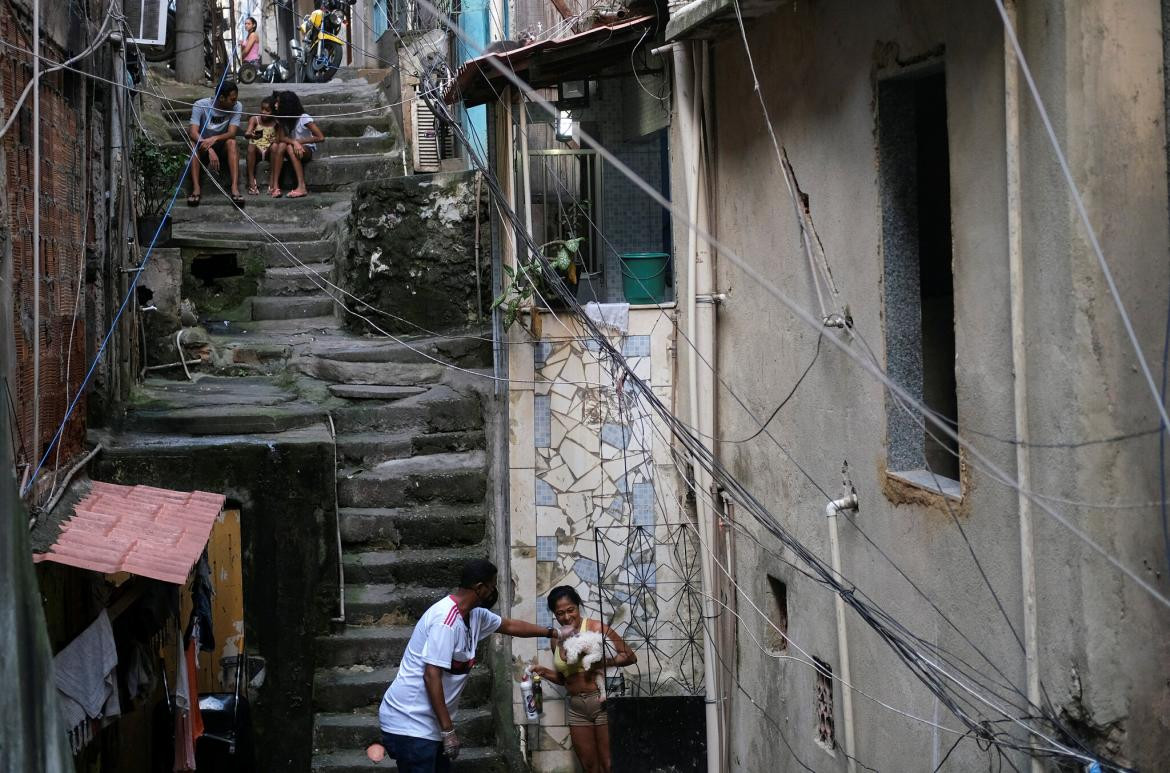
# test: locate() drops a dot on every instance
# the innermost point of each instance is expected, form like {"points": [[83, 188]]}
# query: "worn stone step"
{"points": [[373, 391], [439, 409], [365, 604], [458, 477], [297, 307], [346, 732], [470, 348], [438, 567], [331, 126], [375, 645], [241, 236], [342, 88], [368, 449], [216, 207], [480, 759], [361, 687], [372, 142], [275, 255], [296, 280], [224, 419], [175, 109], [422, 526], [384, 374]]}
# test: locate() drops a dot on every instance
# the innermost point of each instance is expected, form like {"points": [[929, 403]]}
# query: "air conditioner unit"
{"points": [[146, 21]]}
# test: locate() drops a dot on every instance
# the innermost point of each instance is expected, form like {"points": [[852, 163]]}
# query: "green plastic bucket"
{"points": [[644, 277]]}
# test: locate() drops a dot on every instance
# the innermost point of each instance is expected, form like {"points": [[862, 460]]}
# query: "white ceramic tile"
{"points": [[589, 481], [577, 458], [560, 478]]}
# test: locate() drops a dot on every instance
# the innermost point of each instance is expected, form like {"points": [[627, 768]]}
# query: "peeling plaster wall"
{"points": [[1103, 641], [411, 250]]}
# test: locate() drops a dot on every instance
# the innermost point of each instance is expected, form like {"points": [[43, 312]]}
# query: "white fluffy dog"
{"points": [[585, 647]]}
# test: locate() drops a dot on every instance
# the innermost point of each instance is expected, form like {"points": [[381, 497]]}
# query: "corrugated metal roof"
{"points": [[472, 82], [151, 532]]}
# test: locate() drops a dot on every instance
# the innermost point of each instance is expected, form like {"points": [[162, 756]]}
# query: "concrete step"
{"points": [[439, 409], [373, 142], [373, 391], [377, 645], [435, 568], [224, 419], [241, 236], [471, 348], [480, 759], [385, 374], [298, 307], [274, 255], [331, 126], [216, 207], [361, 687], [424, 526], [296, 280], [347, 732], [366, 604], [460, 477], [367, 449], [340, 89], [179, 110]]}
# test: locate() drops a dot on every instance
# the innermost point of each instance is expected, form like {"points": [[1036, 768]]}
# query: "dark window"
{"points": [[776, 634], [826, 734], [918, 277]]}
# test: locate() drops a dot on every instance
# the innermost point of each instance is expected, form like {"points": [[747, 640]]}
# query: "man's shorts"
{"points": [[220, 150], [416, 755], [586, 709]]}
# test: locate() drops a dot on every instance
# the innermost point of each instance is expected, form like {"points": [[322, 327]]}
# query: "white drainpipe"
{"points": [[689, 72], [1011, 94], [832, 510]]}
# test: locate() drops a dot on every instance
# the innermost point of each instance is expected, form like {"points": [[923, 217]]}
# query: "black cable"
{"points": [[791, 392], [1162, 443]]}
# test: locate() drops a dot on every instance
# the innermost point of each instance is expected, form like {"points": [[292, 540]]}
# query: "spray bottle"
{"points": [[526, 693]]}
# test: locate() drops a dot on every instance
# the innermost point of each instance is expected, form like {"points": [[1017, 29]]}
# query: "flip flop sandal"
{"points": [[239, 201], [254, 191], [193, 200], [276, 194], [296, 195]]}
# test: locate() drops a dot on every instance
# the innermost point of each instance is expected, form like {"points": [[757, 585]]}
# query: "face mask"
{"points": [[491, 600]]}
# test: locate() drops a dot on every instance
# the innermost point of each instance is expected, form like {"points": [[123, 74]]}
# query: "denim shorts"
{"points": [[416, 755]]}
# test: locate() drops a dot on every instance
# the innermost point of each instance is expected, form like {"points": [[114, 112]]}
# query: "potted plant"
{"points": [[526, 284], [157, 170]]}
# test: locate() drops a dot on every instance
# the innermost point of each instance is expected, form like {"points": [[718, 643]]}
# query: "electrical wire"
{"points": [[117, 315]]}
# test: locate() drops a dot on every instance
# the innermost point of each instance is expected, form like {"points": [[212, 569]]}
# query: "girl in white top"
{"points": [[297, 136]]}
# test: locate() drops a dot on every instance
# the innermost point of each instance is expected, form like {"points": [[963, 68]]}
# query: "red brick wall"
{"points": [[63, 192]]}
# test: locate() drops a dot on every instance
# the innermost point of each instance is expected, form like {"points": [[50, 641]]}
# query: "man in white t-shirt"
{"points": [[415, 715]]}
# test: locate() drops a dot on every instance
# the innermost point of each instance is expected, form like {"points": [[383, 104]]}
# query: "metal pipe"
{"points": [[36, 235], [1011, 94], [832, 510], [337, 521], [688, 87]]}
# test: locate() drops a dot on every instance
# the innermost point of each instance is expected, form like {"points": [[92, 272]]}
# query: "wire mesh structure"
{"points": [[650, 588]]}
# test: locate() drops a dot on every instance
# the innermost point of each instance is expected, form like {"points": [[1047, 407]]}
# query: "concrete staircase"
{"points": [[412, 470]]}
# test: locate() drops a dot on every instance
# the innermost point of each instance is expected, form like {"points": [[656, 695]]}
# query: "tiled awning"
{"points": [[151, 532]]}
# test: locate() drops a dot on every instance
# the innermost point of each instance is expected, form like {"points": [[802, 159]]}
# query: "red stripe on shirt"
{"points": [[452, 615]]}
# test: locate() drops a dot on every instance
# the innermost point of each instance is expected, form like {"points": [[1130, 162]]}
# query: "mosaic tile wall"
{"points": [[585, 458]]}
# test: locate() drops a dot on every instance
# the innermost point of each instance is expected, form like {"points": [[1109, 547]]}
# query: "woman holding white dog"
{"points": [[581, 659]]}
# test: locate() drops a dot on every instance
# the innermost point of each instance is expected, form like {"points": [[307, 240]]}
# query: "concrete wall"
{"points": [[285, 491], [1103, 640]]}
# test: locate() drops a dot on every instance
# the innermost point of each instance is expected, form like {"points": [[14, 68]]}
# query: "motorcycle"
{"points": [[319, 51]]}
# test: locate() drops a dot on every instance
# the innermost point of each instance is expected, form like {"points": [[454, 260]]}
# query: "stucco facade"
{"points": [[1102, 640]]}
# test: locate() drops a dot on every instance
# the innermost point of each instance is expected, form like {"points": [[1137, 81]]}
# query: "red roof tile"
{"points": [[143, 530]]}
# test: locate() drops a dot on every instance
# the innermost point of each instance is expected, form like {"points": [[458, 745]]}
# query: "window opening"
{"points": [[777, 640], [918, 276]]}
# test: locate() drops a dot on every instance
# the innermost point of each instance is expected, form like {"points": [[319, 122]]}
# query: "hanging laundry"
{"points": [[202, 592], [85, 675], [188, 719]]}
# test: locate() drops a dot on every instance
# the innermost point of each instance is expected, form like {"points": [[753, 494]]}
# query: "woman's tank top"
{"points": [[559, 662]]}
